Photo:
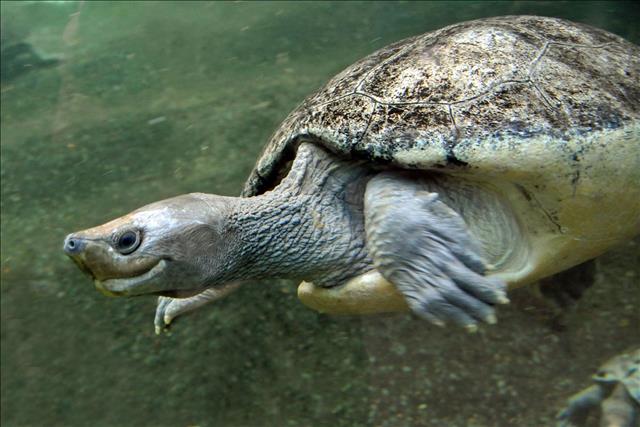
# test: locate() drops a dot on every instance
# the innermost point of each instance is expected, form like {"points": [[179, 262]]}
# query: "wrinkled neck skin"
{"points": [[310, 227]]}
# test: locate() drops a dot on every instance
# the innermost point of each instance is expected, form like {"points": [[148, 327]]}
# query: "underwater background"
{"points": [[107, 106]]}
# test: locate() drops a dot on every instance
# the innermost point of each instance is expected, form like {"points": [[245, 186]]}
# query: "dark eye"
{"points": [[128, 242]]}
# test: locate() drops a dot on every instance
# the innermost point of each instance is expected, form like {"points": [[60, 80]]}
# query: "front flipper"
{"points": [[424, 248], [168, 309]]}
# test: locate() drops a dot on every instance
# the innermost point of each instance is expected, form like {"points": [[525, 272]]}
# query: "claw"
{"points": [[491, 319], [439, 323]]}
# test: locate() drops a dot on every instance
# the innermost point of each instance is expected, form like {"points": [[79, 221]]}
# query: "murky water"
{"points": [[109, 106]]}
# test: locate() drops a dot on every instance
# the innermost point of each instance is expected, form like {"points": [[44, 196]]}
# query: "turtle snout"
{"points": [[74, 245]]}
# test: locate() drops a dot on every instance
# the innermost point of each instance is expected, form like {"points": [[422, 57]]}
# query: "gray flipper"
{"points": [[168, 309], [424, 248], [579, 406]]}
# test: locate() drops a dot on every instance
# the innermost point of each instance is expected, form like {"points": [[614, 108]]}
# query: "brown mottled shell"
{"points": [[472, 98]]}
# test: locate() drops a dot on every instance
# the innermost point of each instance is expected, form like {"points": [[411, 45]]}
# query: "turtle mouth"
{"points": [[135, 285]]}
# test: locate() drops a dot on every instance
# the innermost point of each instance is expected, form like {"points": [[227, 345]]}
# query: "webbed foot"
{"points": [[424, 248]]}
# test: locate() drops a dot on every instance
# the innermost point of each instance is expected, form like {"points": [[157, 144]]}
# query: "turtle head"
{"points": [[620, 368], [174, 247]]}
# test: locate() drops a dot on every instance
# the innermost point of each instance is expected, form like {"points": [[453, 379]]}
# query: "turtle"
{"points": [[432, 176], [616, 390]]}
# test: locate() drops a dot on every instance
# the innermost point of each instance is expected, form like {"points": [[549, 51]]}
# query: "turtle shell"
{"points": [[541, 111], [490, 96]]}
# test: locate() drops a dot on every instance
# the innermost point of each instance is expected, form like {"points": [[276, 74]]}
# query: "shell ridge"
{"points": [[543, 95], [531, 79], [348, 95], [489, 91], [582, 45], [455, 127], [379, 101], [537, 59], [366, 129]]}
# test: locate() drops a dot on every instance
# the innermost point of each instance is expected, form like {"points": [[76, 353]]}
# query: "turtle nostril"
{"points": [[73, 245]]}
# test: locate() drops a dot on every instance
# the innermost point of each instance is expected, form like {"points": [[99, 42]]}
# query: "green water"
{"points": [[152, 99]]}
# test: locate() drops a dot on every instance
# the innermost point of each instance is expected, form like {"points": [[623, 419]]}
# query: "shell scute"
{"points": [[346, 82], [441, 69], [404, 127], [591, 70], [343, 121], [503, 111]]}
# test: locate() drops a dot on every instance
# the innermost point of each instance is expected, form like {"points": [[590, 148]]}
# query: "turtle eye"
{"points": [[128, 242]]}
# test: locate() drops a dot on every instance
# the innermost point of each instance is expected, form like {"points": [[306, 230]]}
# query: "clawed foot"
{"points": [[445, 283], [168, 309], [424, 248]]}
